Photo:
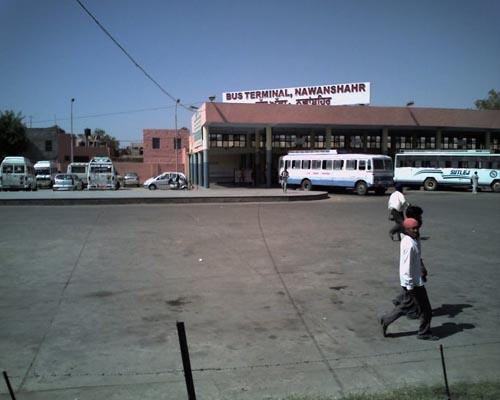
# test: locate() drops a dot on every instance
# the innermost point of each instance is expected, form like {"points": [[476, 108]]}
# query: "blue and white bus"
{"points": [[327, 168], [454, 168]]}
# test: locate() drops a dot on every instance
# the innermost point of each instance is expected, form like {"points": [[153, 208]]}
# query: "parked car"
{"points": [[67, 182], [167, 180], [131, 179]]}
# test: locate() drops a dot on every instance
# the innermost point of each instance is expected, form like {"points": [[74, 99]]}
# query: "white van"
{"points": [[17, 173], [79, 169], [44, 173]]}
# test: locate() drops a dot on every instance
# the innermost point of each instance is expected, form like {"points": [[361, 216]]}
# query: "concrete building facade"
{"points": [[228, 138]]}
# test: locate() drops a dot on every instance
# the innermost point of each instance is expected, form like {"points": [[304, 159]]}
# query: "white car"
{"points": [[166, 180], [67, 182]]}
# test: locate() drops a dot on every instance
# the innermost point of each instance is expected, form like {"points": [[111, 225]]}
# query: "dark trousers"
{"points": [[398, 218], [403, 297], [419, 297]]}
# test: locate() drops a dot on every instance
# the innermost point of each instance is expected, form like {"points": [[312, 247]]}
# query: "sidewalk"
{"points": [[215, 194]]}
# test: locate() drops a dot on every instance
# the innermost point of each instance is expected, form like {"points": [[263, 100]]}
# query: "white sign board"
{"points": [[330, 95]]}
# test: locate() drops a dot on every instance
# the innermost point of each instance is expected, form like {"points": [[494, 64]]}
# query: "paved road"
{"points": [[277, 298]]}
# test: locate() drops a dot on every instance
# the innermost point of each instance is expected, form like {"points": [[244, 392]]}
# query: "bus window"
{"points": [[287, 164], [306, 164], [19, 169], [327, 164], [463, 163], [338, 164], [430, 162], [295, 164], [316, 164], [351, 164], [7, 169], [281, 163], [369, 165], [408, 162], [388, 164], [362, 165]]}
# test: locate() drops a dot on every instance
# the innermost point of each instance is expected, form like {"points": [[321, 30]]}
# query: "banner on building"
{"points": [[325, 95]]}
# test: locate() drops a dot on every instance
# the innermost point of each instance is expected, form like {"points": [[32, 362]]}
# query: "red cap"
{"points": [[410, 223]]}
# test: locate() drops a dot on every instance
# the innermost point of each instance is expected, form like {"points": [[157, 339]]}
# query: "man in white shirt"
{"points": [[412, 281], [397, 204], [475, 181]]}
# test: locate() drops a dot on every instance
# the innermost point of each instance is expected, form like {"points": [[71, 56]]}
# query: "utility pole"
{"points": [[71, 148], [176, 141]]}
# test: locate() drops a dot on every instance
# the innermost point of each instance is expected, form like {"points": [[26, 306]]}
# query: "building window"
{"points": [[220, 140], [403, 142], [48, 145], [284, 141], [460, 143], [495, 143], [338, 141], [425, 143], [156, 143], [320, 142], [356, 142], [373, 142]]}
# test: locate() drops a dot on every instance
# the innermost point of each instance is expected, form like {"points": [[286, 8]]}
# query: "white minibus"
{"points": [[101, 174], [44, 173], [435, 168], [17, 173], [79, 169], [327, 168]]}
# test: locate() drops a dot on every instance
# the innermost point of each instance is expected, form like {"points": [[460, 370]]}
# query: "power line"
{"points": [[106, 114], [130, 57]]}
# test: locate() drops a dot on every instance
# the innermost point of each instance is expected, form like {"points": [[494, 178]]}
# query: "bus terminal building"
{"points": [[242, 143]]}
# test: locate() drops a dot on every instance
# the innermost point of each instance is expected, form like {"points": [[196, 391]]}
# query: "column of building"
{"points": [[257, 156], [269, 155], [205, 133]]}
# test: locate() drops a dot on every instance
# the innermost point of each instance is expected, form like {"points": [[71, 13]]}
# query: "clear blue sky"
{"points": [[438, 53]]}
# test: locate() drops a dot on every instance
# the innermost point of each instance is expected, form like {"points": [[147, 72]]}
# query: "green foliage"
{"points": [[491, 103], [114, 144], [13, 139]]}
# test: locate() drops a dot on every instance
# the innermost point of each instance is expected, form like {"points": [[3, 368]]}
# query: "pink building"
{"points": [[159, 154]]}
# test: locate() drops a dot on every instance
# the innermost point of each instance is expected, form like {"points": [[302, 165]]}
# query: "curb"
{"points": [[162, 200]]}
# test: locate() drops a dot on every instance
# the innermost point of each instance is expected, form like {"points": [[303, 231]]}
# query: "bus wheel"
{"points": [[495, 186], [361, 188], [430, 184], [306, 185], [152, 187]]}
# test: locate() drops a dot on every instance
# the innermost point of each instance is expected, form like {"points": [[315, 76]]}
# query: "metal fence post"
{"points": [[444, 372], [12, 396], [188, 376]]}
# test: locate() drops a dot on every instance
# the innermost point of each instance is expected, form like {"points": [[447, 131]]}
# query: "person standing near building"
{"points": [[412, 281], [475, 181], [284, 179], [397, 204]]}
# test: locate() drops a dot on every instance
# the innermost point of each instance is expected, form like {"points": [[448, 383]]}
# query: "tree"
{"points": [[491, 103], [103, 137], [13, 139]]}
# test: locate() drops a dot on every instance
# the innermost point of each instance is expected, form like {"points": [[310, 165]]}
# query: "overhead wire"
{"points": [[176, 100], [109, 114]]}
